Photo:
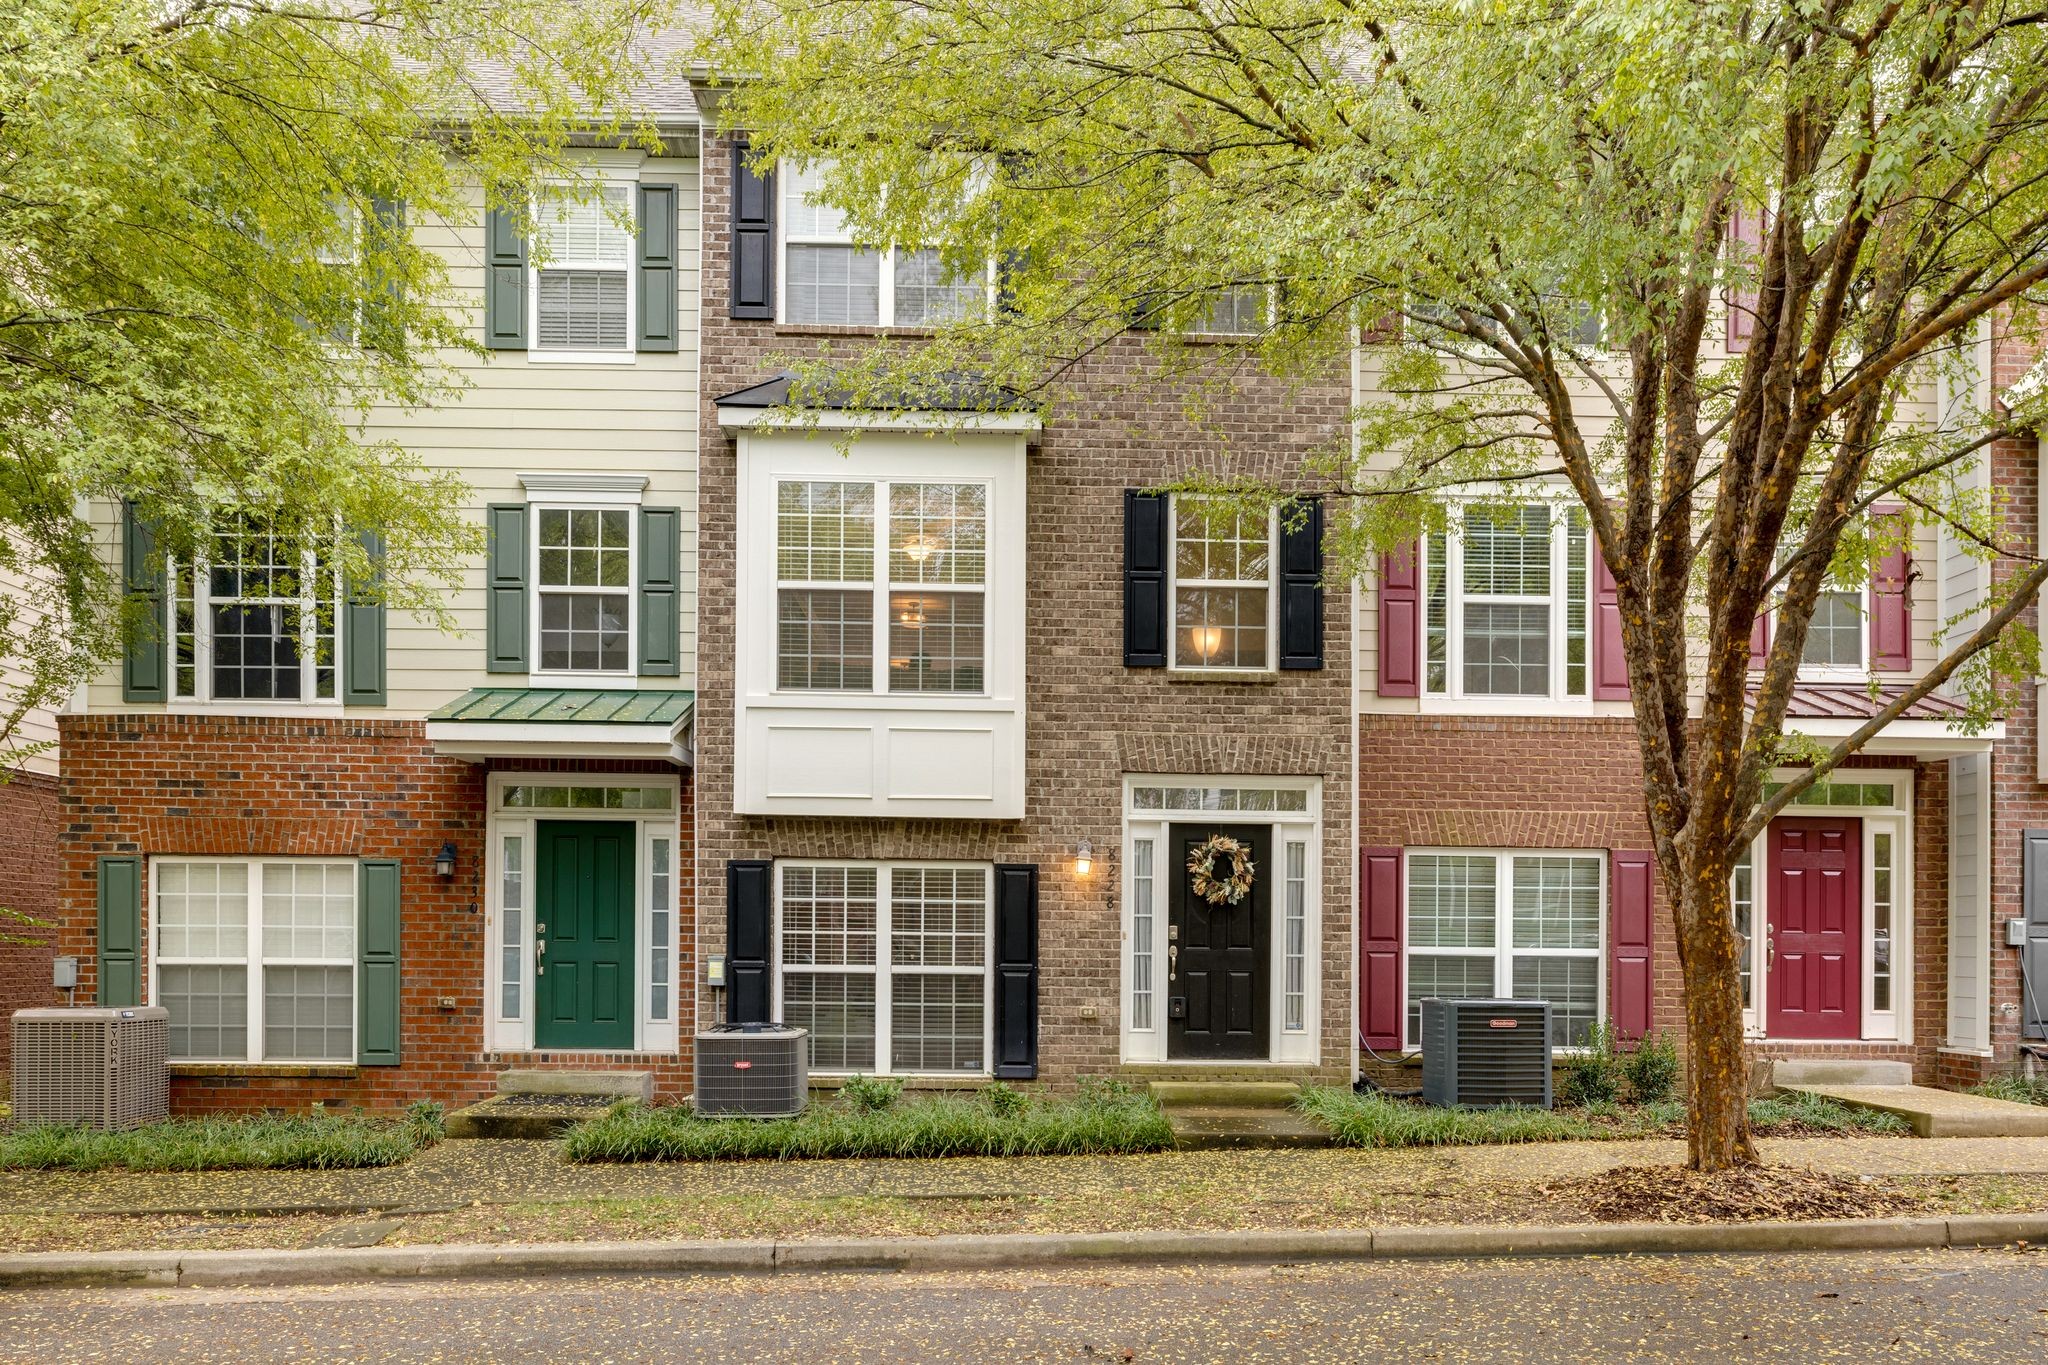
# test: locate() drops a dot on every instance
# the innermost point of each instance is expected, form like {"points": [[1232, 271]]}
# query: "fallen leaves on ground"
{"points": [[1675, 1194]]}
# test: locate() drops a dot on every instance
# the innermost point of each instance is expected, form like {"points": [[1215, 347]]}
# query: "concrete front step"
{"points": [[1939, 1113], [1211, 1127], [1225, 1094], [1791, 1074], [527, 1116], [618, 1085]]}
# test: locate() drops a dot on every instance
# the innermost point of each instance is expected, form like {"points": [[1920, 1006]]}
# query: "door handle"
{"points": [[1172, 961], [1770, 950]]}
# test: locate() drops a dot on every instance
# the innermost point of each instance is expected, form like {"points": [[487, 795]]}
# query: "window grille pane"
{"points": [[1507, 650], [1508, 556], [584, 631], [209, 1009], [1881, 921], [1220, 549], [1571, 985], [1577, 603], [1451, 900], [1220, 627], [1295, 946], [1234, 312], [1835, 638], [1742, 904], [586, 547], [1557, 902], [256, 653], [1451, 978], [660, 906], [512, 928], [938, 533], [1141, 934], [580, 310], [309, 910], [926, 295], [829, 916], [825, 532], [825, 640], [936, 642], [834, 285], [308, 1014], [185, 633], [202, 910], [839, 1012], [1436, 634], [938, 916], [935, 1023]]}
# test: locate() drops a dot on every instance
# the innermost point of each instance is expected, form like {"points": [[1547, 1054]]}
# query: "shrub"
{"points": [[1005, 1101], [1652, 1069], [318, 1141], [1591, 1076], [925, 1126], [870, 1094], [1378, 1121], [2010, 1085]]}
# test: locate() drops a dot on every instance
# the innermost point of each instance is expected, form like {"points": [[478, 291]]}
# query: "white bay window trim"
{"points": [[190, 632]]}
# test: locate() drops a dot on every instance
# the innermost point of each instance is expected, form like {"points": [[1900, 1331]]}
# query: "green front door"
{"points": [[583, 935]]}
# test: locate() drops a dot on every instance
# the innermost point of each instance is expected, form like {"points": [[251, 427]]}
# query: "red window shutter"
{"points": [[1746, 234], [1401, 621], [1891, 597], [1630, 920], [1760, 641], [1382, 1004], [1610, 661]]}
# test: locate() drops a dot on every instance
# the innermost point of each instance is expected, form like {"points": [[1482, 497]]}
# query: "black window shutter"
{"points": [[1016, 1001], [1145, 551], [362, 633], [145, 664], [658, 261], [505, 604], [2034, 955], [753, 239], [1301, 584], [747, 938]]}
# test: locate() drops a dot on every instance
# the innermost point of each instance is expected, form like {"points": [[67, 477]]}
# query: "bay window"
{"points": [[829, 279], [1507, 598]]}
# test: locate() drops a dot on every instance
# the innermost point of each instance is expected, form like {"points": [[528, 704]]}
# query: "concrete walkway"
{"points": [[507, 1172], [1940, 1113]]}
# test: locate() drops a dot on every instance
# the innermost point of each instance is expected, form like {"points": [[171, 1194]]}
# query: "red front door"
{"points": [[1813, 980]]}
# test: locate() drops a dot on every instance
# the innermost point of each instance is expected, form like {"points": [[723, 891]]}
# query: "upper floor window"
{"points": [[829, 279], [1223, 567], [255, 621], [1834, 636], [1507, 597], [1235, 312], [584, 580], [882, 580], [582, 292]]}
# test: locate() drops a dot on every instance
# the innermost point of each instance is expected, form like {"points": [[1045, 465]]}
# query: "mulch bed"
{"points": [[1673, 1194]]}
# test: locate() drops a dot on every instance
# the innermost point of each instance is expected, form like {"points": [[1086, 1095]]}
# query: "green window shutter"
{"points": [[362, 634], [377, 933], [146, 662], [504, 283], [120, 931], [661, 591], [505, 604], [657, 273], [380, 329]]}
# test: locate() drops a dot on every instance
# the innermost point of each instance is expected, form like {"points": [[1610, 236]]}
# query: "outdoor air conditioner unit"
{"points": [[102, 1067], [1486, 1053], [752, 1070]]}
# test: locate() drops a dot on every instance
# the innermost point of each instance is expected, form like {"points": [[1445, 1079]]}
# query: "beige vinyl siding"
{"points": [[521, 415], [38, 728]]}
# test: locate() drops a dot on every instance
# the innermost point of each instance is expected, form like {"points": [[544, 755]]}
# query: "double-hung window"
{"points": [[886, 964], [1491, 925], [1835, 634], [830, 279], [881, 586], [255, 621], [255, 960], [583, 578], [582, 290], [1239, 311], [1223, 599], [1507, 598]]}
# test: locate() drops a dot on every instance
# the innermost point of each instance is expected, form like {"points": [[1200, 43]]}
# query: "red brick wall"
{"points": [[28, 883], [352, 788]]}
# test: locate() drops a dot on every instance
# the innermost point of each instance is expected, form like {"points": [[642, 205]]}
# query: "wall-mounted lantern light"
{"points": [[1084, 858], [444, 861]]}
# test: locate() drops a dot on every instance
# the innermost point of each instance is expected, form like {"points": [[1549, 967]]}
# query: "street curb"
{"points": [[1008, 1250]]}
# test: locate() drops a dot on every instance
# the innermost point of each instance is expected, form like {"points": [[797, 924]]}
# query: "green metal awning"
{"points": [[564, 722]]}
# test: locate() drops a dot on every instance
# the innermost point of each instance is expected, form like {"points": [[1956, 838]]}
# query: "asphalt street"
{"points": [[1953, 1306]]}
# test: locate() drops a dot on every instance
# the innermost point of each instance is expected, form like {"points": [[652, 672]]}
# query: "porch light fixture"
{"points": [[444, 861], [1084, 858]]}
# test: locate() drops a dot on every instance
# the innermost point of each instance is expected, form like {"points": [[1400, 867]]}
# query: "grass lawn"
{"points": [[257, 1142], [1369, 1120], [877, 1121]]}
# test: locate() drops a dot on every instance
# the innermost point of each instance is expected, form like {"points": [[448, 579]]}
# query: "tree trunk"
{"points": [[1717, 1079]]}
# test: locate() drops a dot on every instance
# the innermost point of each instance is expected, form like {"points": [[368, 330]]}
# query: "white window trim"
{"points": [[1454, 698], [1271, 584], [609, 177], [1835, 673], [515, 1033], [1287, 1047], [628, 676], [254, 961], [884, 969], [1504, 951], [885, 290], [202, 698], [1894, 1025]]}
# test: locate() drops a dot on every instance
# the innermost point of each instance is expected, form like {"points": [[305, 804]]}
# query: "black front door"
{"points": [[1217, 955]]}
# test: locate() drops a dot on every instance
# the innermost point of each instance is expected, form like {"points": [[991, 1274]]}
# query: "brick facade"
{"points": [[28, 883], [350, 787], [1089, 719]]}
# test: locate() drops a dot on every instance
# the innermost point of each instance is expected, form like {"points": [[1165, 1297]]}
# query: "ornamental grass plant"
{"points": [[299, 1142]]}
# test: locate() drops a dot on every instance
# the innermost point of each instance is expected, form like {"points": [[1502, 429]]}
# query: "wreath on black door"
{"points": [[1229, 883]]}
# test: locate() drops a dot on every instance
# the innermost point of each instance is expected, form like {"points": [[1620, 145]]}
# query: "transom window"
{"points": [[1525, 926], [886, 964], [1507, 599], [845, 552], [828, 279], [255, 960], [255, 621], [1223, 565], [584, 584], [582, 294]]}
